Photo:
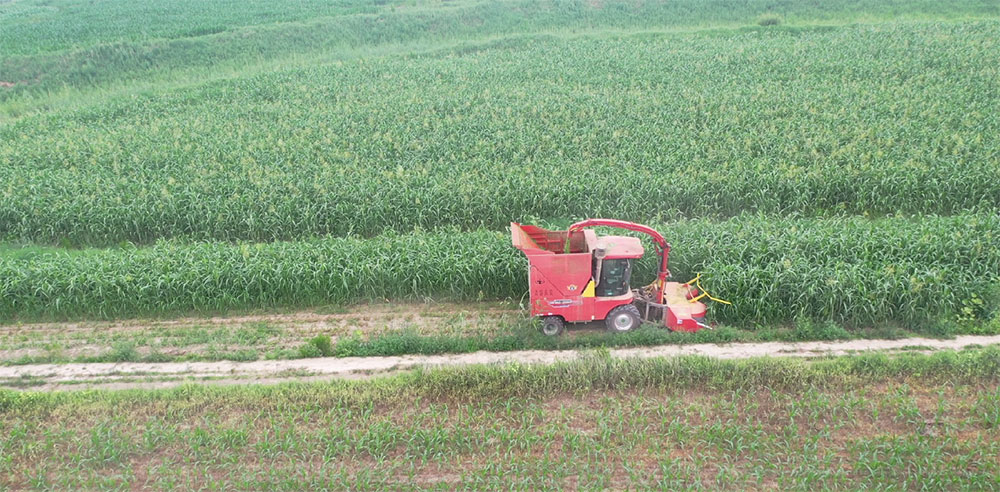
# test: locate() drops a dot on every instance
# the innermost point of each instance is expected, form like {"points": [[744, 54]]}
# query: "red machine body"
{"points": [[578, 276]]}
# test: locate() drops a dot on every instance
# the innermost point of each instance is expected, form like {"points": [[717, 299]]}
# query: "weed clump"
{"points": [[318, 346]]}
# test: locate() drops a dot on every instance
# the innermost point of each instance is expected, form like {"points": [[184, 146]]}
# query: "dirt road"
{"points": [[149, 375], [263, 334]]}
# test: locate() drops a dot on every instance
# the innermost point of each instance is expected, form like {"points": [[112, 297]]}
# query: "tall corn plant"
{"points": [[852, 270]]}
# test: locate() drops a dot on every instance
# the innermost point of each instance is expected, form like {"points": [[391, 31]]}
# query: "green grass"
{"points": [[460, 334], [247, 337], [529, 338], [848, 423]]}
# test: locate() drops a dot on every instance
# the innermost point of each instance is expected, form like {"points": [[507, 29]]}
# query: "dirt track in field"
{"points": [[199, 337], [364, 317], [154, 375]]}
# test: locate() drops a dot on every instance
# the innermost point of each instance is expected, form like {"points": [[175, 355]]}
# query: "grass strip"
{"points": [[846, 423], [261, 341], [596, 372]]}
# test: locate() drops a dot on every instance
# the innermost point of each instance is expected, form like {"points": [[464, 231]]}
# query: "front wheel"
{"points": [[552, 325], [623, 319]]}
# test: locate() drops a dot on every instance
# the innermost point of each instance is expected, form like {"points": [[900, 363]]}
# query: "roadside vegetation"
{"points": [[846, 423], [388, 330]]}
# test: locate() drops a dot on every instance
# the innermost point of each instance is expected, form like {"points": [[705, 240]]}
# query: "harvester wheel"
{"points": [[623, 318], [552, 325]]}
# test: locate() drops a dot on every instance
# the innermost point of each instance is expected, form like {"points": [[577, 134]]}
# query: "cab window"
{"points": [[614, 277]]}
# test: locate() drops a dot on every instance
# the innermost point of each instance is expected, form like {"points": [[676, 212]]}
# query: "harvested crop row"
{"points": [[851, 270], [853, 120]]}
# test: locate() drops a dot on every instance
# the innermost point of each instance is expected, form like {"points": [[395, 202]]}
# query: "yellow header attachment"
{"points": [[704, 293]]}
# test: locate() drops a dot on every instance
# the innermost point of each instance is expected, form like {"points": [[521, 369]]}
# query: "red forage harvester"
{"points": [[577, 276]]}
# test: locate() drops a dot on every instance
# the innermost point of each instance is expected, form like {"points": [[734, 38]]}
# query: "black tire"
{"points": [[623, 319], [553, 326]]}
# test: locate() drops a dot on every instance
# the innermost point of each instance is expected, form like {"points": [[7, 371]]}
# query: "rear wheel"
{"points": [[552, 325], [623, 319]]}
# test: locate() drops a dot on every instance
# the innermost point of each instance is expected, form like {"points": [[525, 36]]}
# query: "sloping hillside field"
{"points": [[838, 167], [843, 172], [269, 241], [875, 120]]}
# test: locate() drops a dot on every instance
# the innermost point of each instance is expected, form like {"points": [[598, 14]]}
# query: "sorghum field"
{"points": [[336, 178], [839, 165]]}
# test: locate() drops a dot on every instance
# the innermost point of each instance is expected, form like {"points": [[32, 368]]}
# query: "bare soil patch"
{"points": [[137, 374], [200, 337]]}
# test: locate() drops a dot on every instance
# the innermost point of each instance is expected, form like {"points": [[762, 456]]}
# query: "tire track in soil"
{"points": [[121, 375]]}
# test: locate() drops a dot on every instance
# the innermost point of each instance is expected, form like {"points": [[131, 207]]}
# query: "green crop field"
{"points": [[851, 270], [195, 192], [646, 127], [818, 161], [914, 422]]}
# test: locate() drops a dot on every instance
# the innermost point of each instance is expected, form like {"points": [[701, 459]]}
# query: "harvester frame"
{"points": [[577, 276]]}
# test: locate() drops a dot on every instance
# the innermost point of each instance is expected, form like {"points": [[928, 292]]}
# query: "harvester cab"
{"points": [[577, 276]]}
